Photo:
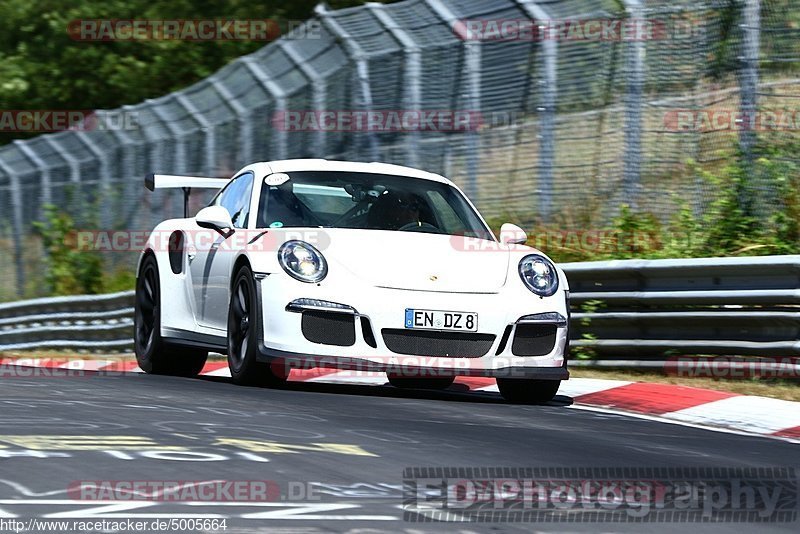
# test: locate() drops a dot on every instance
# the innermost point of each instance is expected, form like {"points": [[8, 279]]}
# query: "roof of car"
{"points": [[295, 165]]}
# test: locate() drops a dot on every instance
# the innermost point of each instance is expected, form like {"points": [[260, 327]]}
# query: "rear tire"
{"points": [[244, 322], [404, 382], [154, 355], [528, 391]]}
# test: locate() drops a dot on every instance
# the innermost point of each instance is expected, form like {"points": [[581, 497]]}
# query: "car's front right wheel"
{"points": [[243, 324], [528, 391]]}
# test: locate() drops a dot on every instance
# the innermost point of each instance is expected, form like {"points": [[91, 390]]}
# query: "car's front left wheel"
{"points": [[153, 354], [243, 324]]}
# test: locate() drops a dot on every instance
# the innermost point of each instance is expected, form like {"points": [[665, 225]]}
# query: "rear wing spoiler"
{"points": [[167, 181]]}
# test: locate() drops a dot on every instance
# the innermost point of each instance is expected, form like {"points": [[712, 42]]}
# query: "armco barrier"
{"points": [[633, 313], [92, 322], [651, 309]]}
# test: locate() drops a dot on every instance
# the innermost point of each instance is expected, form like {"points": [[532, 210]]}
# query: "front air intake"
{"points": [[533, 339], [432, 343], [329, 328]]}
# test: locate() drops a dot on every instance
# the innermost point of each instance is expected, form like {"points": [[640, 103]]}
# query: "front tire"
{"points": [[528, 391], [243, 326], [405, 382], [154, 355]]}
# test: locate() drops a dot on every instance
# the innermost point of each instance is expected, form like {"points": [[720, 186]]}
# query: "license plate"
{"points": [[441, 320]]}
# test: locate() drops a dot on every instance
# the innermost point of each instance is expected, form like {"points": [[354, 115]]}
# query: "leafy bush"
{"points": [[755, 211], [76, 270], [69, 271]]}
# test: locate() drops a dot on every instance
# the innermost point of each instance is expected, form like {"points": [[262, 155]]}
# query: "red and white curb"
{"points": [[715, 410]]}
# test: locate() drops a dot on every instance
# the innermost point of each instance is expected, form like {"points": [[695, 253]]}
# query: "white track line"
{"points": [[753, 414], [351, 377], [575, 387]]}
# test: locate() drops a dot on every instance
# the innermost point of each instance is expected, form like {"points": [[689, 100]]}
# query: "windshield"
{"points": [[367, 201]]}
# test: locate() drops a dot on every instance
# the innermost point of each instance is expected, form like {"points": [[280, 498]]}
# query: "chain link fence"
{"points": [[576, 117]]}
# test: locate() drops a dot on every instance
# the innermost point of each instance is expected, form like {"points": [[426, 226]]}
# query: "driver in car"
{"points": [[393, 210]]}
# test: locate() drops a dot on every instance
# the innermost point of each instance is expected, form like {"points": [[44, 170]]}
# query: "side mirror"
{"points": [[511, 234], [216, 218]]}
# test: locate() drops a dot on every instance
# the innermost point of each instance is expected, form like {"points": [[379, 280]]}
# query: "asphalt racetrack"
{"points": [[334, 455]]}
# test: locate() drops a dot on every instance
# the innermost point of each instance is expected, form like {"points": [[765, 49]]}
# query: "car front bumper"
{"points": [[503, 318]]}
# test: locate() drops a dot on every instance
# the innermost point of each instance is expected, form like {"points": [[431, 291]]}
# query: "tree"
{"points": [[41, 67]]}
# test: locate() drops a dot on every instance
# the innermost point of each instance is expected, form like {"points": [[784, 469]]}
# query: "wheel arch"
{"points": [[240, 262], [146, 253]]}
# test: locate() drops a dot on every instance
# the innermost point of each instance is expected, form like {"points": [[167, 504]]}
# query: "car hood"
{"points": [[417, 261]]}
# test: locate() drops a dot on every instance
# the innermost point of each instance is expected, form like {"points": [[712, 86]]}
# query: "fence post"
{"points": [[16, 224], [106, 212], [472, 80], [318, 90], [75, 175], [206, 127], [547, 108], [130, 170], [279, 95], [44, 169], [357, 55], [245, 124], [633, 107], [748, 89], [412, 77], [179, 158]]}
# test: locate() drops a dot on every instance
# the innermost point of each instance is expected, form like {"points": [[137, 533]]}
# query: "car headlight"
{"points": [[302, 261], [539, 274]]}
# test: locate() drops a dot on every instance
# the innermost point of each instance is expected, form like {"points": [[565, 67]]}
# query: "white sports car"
{"points": [[360, 266]]}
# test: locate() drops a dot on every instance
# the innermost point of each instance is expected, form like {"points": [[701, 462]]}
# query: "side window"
{"points": [[235, 197]]}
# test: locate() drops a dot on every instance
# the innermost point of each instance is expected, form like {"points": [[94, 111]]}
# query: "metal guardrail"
{"points": [[635, 313], [653, 309], [87, 322]]}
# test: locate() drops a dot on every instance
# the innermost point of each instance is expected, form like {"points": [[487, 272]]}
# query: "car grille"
{"points": [[329, 328], [451, 344], [533, 339]]}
